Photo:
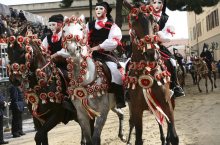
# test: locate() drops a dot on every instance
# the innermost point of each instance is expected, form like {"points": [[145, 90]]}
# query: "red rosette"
{"points": [[42, 74], [37, 72], [51, 95], [42, 82], [77, 38], [80, 79], [70, 75], [147, 38], [141, 43], [22, 68], [144, 9], [58, 82], [133, 80], [72, 83], [158, 76], [97, 88], [90, 90], [145, 81], [27, 56], [26, 40], [59, 88], [83, 71], [69, 37], [32, 98], [39, 42], [43, 96], [20, 39], [80, 93], [134, 11], [28, 48], [69, 67], [70, 91], [150, 8], [164, 74], [83, 64], [67, 20], [15, 66], [12, 39]]}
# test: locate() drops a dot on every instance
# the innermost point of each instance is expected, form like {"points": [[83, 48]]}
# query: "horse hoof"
{"points": [[123, 138]]}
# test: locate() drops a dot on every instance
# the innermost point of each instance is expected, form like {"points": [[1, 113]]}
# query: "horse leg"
{"points": [[198, 80], [41, 134], [211, 81], [120, 115], [138, 124], [214, 76], [162, 137], [131, 126], [99, 124], [206, 84]]}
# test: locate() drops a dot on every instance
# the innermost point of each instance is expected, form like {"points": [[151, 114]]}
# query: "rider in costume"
{"points": [[103, 37], [179, 58], [161, 17], [207, 56]]}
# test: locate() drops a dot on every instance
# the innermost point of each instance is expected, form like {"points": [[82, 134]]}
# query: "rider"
{"points": [[179, 58], [53, 42], [207, 56], [104, 36], [161, 17]]}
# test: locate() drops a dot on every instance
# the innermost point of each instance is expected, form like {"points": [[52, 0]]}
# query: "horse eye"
{"points": [[64, 31], [81, 29]]}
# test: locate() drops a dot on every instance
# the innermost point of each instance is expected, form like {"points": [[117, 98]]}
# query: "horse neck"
{"points": [[90, 75]]}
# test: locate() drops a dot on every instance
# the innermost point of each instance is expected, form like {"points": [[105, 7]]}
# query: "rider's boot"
{"points": [[178, 91], [119, 95]]}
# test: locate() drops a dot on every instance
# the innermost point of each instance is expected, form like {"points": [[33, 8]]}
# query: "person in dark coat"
{"points": [[21, 16], [2, 107], [17, 108], [179, 58], [207, 56]]}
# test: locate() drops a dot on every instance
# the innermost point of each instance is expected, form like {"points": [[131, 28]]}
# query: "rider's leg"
{"points": [[116, 84], [178, 91]]}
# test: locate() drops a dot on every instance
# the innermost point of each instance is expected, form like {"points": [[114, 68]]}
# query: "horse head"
{"points": [[75, 35], [25, 56], [142, 28]]}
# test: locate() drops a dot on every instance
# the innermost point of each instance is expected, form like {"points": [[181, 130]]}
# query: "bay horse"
{"points": [[202, 71], [31, 68], [147, 79], [89, 83]]}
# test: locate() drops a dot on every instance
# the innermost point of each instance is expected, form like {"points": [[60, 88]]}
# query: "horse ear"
{"points": [[127, 5], [82, 18]]}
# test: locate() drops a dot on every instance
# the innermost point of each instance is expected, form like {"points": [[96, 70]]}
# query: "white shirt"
{"points": [[114, 33]]}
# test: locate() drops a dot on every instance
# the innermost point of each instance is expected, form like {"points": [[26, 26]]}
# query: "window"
{"points": [[212, 20]]}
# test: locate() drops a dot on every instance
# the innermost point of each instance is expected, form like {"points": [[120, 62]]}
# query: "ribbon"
{"points": [[54, 38], [169, 31], [101, 24]]}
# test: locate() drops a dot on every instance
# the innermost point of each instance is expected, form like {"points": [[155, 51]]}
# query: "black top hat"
{"points": [[56, 18], [108, 9], [105, 5]]}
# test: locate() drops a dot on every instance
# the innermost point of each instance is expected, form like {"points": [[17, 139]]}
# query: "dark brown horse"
{"points": [[202, 71], [43, 86], [148, 79]]}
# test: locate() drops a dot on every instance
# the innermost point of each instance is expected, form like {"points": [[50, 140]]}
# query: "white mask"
{"points": [[158, 5], [52, 26], [100, 12]]}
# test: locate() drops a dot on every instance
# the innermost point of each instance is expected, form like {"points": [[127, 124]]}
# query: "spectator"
{"points": [[2, 107], [17, 108], [21, 16], [13, 13]]}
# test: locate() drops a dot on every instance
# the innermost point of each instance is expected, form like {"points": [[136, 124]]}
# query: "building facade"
{"points": [[205, 28], [77, 8]]}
